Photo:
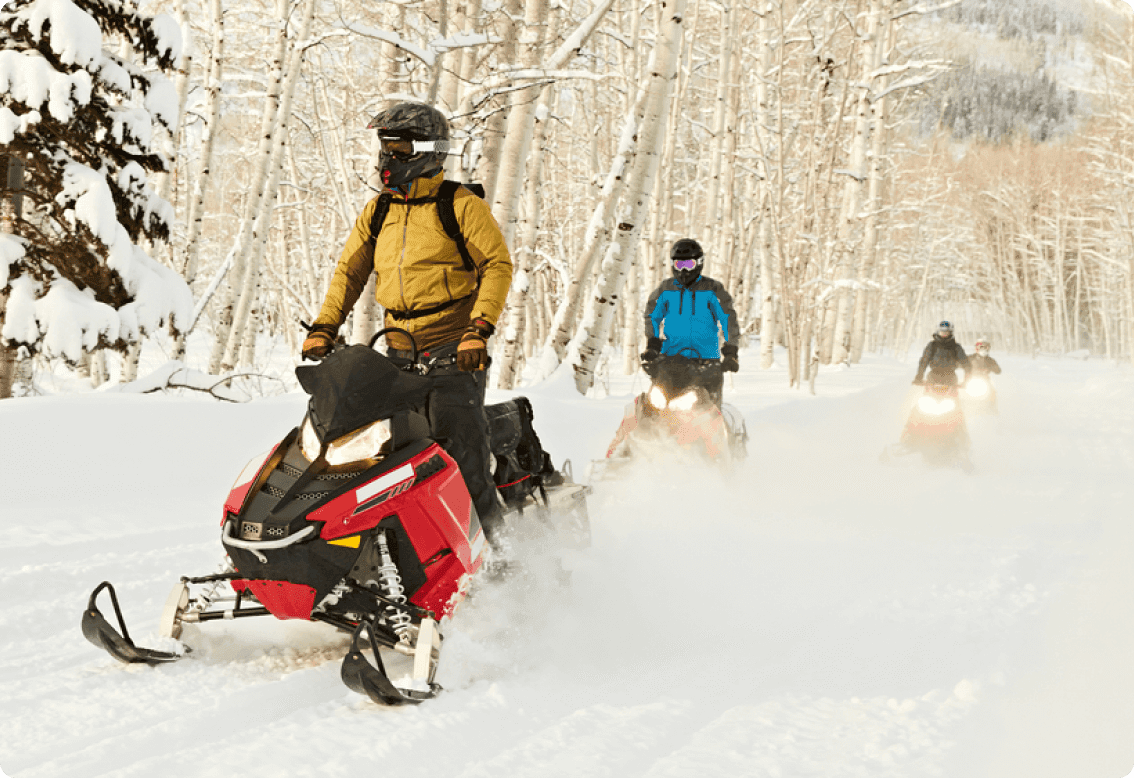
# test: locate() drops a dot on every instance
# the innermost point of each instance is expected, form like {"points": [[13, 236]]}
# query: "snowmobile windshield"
{"points": [[676, 375], [356, 386]]}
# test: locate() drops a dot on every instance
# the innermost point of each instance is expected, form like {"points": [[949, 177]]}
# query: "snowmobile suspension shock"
{"points": [[203, 600], [392, 588]]}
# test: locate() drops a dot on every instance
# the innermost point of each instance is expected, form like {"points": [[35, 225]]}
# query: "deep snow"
{"points": [[816, 614]]}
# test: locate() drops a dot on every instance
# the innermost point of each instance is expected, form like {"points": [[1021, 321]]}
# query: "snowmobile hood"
{"points": [[355, 386]]}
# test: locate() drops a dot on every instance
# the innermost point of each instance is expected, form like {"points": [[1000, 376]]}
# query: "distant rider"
{"points": [[448, 295], [688, 314], [980, 363], [943, 355]]}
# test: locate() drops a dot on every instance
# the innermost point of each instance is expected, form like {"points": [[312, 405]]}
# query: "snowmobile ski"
{"points": [[98, 630], [371, 679]]}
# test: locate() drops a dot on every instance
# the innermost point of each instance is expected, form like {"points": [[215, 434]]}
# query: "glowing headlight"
{"points": [[685, 402], [308, 441], [365, 443], [977, 387], [657, 398], [935, 407]]}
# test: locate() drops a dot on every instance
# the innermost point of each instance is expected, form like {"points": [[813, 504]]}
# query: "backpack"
{"points": [[522, 466], [448, 216]]}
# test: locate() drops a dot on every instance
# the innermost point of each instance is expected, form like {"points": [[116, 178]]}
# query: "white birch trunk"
{"points": [[593, 330], [208, 138], [598, 230], [869, 252], [490, 160], [243, 245], [262, 220], [852, 193]]}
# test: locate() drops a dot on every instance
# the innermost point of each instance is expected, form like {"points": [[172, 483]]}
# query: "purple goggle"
{"points": [[685, 264]]}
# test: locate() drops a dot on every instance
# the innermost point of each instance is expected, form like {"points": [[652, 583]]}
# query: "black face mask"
{"points": [[687, 277], [398, 172]]}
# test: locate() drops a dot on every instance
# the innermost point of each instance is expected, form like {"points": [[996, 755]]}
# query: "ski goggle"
{"points": [[685, 264], [403, 148]]}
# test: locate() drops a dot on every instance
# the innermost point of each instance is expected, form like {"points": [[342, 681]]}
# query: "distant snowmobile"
{"points": [[936, 429], [677, 411], [980, 394], [359, 520]]}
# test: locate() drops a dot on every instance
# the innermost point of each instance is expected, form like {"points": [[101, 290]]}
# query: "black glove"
{"points": [[472, 353], [652, 352], [729, 362], [319, 343]]}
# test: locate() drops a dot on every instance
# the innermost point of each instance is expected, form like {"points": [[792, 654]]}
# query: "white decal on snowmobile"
{"points": [[477, 546], [384, 482]]}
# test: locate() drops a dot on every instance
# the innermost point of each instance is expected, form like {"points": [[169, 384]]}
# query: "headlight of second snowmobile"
{"points": [[977, 387], [684, 403], [369, 442], [657, 398], [936, 407]]}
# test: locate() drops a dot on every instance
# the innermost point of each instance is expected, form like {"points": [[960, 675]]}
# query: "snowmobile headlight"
{"points": [[309, 441], [685, 402], [657, 398], [365, 443], [977, 387], [935, 407]]}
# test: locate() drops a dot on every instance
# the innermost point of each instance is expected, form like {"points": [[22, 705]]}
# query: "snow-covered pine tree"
{"points": [[82, 93]]}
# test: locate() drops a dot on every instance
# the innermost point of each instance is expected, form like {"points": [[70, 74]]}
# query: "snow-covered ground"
{"points": [[817, 614]]}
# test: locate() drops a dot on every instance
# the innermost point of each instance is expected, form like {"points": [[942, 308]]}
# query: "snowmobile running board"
{"points": [[363, 677], [97, 630]]}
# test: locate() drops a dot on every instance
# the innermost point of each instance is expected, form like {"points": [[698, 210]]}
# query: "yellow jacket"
{"points": [[418, 266]]}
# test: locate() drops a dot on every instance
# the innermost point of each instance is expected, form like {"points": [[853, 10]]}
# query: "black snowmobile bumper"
{"points": [[98, 631], [365, 678]]}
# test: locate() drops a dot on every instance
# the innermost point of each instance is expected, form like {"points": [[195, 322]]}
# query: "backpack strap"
{"points": [[446, 193], [379, 217]]}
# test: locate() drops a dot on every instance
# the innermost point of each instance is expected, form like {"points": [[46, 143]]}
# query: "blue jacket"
{"points": [[689, 317]]}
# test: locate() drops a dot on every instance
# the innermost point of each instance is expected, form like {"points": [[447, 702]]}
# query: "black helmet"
{"points": [[415, 141], [686, 260]]}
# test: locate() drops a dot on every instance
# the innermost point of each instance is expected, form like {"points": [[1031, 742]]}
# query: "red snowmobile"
{"points": [[936, 429], [359, 520], [678, 409]]}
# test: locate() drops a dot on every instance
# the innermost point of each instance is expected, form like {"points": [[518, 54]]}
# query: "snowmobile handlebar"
{"points": [[400, 331]]}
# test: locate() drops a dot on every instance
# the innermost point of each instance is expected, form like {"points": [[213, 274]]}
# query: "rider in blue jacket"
{"points": [[688, 314]]}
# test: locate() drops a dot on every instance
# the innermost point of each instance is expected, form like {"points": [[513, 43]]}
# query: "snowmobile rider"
{"points": [[688, 309], [445, 286], [943, 355], [980, 363]]}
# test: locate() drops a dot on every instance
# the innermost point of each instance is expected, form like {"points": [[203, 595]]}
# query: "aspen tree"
{"points": [[594, 327], [239, 338]]}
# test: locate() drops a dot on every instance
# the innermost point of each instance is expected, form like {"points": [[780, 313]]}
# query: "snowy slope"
{"points": [[819, 614]]}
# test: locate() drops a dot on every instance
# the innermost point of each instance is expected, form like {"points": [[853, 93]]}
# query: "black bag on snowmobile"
{"points": [[522, 466]]}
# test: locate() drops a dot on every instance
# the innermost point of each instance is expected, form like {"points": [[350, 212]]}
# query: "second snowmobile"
{"points": [[936, 429], [358, 519], [677, 412]]}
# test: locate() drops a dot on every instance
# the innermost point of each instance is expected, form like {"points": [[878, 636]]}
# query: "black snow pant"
{"points": [[455, 409]]}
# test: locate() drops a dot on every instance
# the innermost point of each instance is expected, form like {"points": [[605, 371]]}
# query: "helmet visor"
{"points": [[398, 148], [685, 264]]}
